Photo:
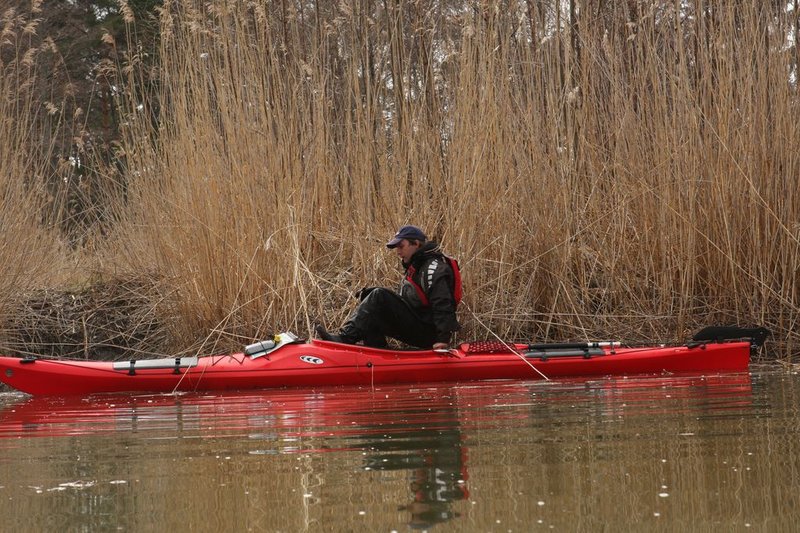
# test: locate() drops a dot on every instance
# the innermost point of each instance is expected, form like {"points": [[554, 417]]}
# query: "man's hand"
{"points": [[441, 346]]}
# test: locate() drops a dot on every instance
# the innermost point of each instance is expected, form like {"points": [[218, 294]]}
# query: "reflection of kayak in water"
{"points": [[356, 415], [361, 417], [421, 436], [291, 363]]}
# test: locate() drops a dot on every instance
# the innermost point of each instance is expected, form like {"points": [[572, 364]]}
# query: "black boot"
{"points": [[323, 334]]}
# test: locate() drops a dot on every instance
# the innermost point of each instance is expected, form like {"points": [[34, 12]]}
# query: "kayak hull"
{"points": [[321, 363]]}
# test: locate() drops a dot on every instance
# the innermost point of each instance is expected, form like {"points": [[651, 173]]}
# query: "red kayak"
{"points": [[286, 361]]}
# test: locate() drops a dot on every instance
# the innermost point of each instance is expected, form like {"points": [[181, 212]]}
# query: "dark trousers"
{"points": [[381, 314]]}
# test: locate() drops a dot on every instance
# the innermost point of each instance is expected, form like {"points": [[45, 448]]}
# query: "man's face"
{"points": [[405, 249]]}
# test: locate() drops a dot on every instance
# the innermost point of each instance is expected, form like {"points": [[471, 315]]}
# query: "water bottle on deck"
{"points": [[260, 347]]}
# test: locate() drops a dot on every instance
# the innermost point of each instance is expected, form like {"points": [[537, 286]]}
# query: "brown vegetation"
{"points": [[626, 170]]}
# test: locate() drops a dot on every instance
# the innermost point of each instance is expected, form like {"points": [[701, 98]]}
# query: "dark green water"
{"points": [[716, 453]]}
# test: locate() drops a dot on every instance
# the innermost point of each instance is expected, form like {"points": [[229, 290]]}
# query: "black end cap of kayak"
{"points": [[756, 335]]}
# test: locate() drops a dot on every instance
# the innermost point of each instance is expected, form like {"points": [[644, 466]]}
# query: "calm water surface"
{"points": [[714, 453]]}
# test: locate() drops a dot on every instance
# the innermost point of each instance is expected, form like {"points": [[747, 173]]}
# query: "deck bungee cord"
{"points": [[504, 343]]}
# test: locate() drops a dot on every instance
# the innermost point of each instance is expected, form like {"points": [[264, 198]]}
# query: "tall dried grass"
{"points": [[57, 296], [626, 169], [31, 253]]}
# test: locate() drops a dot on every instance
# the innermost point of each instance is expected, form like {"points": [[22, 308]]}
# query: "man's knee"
{"points": [[378, 297]]}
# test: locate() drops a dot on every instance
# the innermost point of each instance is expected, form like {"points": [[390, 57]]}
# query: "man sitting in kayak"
{"points": [[422, 313]]}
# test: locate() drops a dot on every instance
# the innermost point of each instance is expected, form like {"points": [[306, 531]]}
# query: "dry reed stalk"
{"points": [[30, 252], [625, 171]]}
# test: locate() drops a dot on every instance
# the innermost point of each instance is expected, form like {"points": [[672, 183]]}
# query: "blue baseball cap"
{"points": [[407, 232]]}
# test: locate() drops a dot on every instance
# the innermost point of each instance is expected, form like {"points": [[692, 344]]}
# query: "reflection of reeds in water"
{"points": [[630, 174], [693, 456]]}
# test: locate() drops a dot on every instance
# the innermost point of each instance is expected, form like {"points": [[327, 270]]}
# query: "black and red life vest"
{"points": [[456, 287]]}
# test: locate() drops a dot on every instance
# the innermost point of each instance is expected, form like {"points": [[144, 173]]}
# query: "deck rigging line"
{"points": [[504, 343]]}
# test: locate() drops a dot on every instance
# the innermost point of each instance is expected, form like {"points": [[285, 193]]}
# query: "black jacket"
{"points": [[431, 272]]}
